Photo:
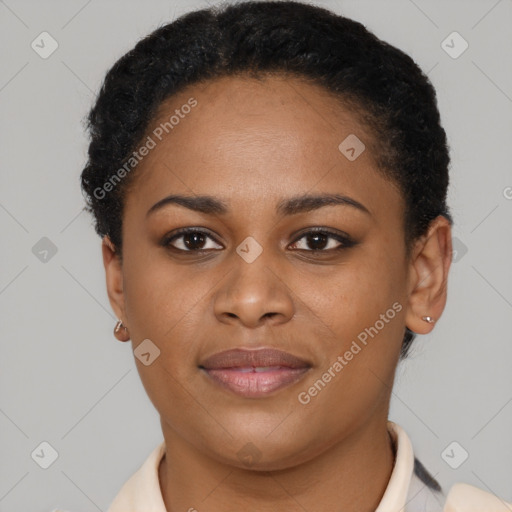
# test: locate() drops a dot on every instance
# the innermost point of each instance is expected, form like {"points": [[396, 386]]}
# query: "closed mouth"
{"points": [[254, 373]]}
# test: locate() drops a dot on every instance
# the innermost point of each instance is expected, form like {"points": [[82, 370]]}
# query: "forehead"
{"points": [[253, 140]]}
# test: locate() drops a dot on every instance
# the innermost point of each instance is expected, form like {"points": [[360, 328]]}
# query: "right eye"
{"points": [[192, 240]]}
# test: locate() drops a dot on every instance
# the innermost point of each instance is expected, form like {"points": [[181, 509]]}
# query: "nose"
{"points": [[254, 294]]}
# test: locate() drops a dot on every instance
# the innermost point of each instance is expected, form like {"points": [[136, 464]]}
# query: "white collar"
{"points": [[405, 491], [395, 495]]}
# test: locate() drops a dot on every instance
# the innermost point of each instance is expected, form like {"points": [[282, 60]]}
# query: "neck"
{"points": [[351, 475]]}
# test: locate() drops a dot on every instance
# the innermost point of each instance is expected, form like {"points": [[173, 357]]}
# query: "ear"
{"points": [[428, 276], [114, 278]]}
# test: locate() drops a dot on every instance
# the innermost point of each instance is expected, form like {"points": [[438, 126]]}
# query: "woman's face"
{"points": [[260, 149]]}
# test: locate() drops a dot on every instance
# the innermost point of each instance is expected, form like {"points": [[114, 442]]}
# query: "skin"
{"points": [[253, 143]]}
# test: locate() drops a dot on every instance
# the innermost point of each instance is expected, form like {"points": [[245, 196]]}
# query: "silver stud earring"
{"points": [[428, 319]]}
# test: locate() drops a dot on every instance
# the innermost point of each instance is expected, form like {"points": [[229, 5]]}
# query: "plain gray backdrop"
{"points": [[64, 378]]}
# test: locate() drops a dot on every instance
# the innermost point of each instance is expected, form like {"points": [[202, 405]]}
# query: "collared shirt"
{"points": [[406, 490]]}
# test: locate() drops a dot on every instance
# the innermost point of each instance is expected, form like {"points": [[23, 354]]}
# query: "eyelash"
{"points": [[346, 242]]}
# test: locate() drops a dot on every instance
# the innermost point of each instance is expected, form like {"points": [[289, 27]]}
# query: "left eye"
{"points": [[320, 241]]}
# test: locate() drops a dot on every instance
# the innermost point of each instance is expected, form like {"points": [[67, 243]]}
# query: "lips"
{"points": [[240, 358], [254, 373]]}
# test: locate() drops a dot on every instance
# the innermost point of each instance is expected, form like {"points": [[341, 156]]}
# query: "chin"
{"points": [[260, 453]]}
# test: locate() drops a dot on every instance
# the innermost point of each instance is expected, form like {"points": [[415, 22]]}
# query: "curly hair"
{"points": [[388, 91]]}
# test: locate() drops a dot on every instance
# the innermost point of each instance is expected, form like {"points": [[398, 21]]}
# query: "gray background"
{"points": [[67, 381]]}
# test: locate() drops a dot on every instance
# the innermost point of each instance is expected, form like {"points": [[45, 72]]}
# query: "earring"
{"points": [[121, 336], [428, 319]]}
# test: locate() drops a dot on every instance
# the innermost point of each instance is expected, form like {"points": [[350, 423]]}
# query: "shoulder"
{"points": [[468, 498]]}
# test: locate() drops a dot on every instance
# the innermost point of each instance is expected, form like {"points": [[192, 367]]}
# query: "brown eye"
{"points": [[189, 240], [322, 241]]}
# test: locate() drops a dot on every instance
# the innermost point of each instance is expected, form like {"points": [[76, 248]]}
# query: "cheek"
{"points": [[159, 296], [360, 348], [162, 305], [363, 306], [166, 304], [354, 296]]}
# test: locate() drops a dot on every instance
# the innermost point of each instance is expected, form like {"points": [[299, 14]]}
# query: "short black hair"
{"points": [[390, 93]]}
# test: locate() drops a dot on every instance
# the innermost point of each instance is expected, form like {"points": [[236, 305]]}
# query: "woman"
{"points": [[269, 180]]}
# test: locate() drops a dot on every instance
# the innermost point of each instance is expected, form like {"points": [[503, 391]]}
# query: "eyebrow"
{"points": [[210, 205]]}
